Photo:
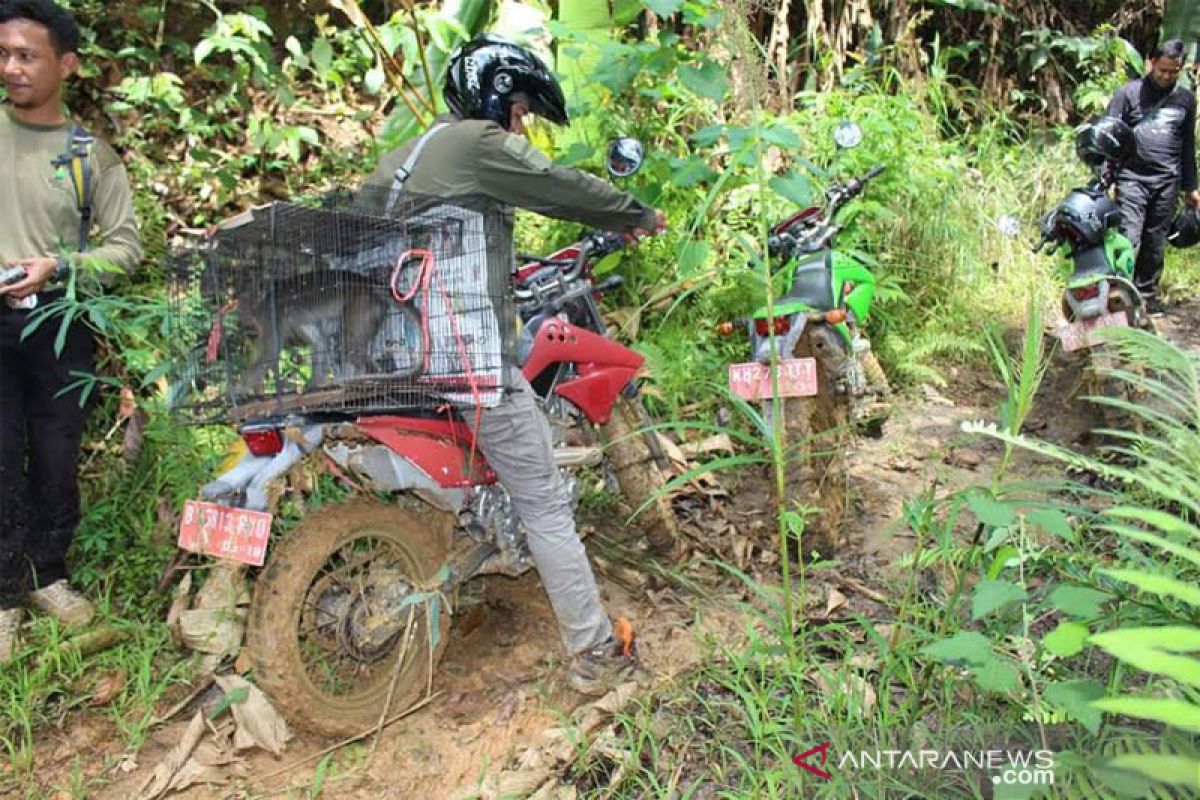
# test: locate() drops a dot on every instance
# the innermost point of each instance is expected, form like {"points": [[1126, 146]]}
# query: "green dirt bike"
{"points": [[826, 375], [1097, 264]]}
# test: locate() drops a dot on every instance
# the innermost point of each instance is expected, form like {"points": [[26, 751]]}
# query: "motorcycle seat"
{"points": [[812, 283], [1092, 261]]}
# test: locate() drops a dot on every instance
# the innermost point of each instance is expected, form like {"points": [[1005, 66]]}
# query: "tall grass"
{"points": [[1069, 625]]}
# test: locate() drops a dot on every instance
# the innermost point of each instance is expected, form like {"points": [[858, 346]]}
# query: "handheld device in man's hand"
{"points": [[12, 275]]}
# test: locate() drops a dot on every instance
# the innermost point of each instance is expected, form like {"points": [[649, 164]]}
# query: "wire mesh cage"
{"points": [[349, 304]]}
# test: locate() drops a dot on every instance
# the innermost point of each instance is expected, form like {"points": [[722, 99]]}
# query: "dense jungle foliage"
{"points": [[969, 104]]}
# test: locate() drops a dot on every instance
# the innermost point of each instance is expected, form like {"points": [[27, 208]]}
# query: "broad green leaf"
{"points": [[1054, 522], [708, 80], [996, 675], [1162, 585], [322, 55], [1077, 698], [692, 254], [690, 171], [793, 186], [990, 511], [1067, 639], [985, 6], [781, 135], [664, 8], [706, 137], [292, 45], [578, 152], [1079, 601], [964, 647], [1177, 713], [203, 50], [994, 595], [1173, 770], [608, 264], [1181, 20], [374, 79]]}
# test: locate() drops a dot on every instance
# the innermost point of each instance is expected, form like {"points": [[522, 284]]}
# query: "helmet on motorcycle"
{"points": [[1106, 139], [487, 74], [1084, 217], [1185, 228]]}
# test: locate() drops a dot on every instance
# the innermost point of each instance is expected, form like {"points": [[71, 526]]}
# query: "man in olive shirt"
{"points": [[41, 425], [478, 155]]}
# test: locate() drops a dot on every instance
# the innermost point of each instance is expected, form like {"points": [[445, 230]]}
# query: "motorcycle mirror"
{"points": [[847, 134], [625, 157], [1009, 225]]}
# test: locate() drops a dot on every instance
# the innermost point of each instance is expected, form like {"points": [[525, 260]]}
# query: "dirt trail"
{"points": [[501, 679], [501, 685]]}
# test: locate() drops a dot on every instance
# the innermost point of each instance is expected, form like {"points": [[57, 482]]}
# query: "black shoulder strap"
{"points": [[1158, 104], [77, 159]]}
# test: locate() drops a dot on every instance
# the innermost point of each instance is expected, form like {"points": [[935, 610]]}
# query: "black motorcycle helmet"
{"points": [[1084, 217], [488, 73], [1106, 139], [1185, 228]]}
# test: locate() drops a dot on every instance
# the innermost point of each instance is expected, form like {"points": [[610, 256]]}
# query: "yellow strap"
{"points": [[77, 167]]}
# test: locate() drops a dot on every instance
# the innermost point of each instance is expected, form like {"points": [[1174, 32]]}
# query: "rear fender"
{"points": [[252, 475], [444, 451], [1076, 309], [389, 471], [760, 346]]}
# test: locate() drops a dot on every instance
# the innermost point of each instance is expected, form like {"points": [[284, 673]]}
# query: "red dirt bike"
{"points": [[348, 616]]}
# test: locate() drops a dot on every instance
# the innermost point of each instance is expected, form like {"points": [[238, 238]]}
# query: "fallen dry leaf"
{"points": [[108, 687], [160, 780], [258, 723], [179, 604], [128, 403], [721, 443], [508, 707], [965, 459], [834, 600], [131, 446], [849, 688], [855, 585]]}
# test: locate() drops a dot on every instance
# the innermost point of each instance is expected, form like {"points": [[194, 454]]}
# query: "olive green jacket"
{"points": [[38, 204], [480, 162]]}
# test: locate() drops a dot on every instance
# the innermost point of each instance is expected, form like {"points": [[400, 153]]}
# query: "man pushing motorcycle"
{"points": [[479, 152]]}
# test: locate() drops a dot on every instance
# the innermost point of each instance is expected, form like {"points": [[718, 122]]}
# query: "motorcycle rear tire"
{"points": [[818, 436], [273, 640], [639, 475]]}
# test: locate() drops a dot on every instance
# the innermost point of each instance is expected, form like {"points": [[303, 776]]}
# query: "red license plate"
{"points": [[1078, 335], [752, 381], [237, 534]]}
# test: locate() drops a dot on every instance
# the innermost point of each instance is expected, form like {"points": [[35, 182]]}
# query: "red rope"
{"points": [[218, 332], [425, 277]]}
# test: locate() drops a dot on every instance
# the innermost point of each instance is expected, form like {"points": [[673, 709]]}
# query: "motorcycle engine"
{"points": [[489, 517]]}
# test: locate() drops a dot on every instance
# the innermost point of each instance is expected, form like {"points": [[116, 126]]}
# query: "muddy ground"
{"points": [[501, 681]]}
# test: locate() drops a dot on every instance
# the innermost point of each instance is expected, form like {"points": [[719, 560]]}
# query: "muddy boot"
{"points": [[10, 628], [606, 666], [63, 603]]}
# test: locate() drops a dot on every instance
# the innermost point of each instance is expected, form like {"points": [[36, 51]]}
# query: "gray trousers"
{"points": [[515, 438], [1147, 209]]}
